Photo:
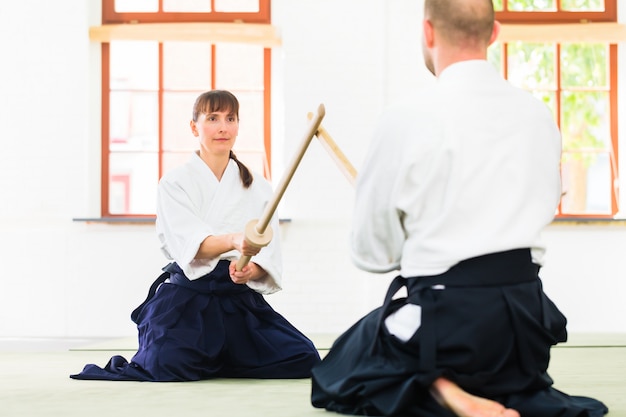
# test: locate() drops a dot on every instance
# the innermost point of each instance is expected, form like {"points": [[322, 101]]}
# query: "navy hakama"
{"points": [[207, 328], [486, 325]]}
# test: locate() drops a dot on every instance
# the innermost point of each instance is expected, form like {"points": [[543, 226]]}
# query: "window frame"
{"points": [[110, 17], [580, 18], [558, 16]]}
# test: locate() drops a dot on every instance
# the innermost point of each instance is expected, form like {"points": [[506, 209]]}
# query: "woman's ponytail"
{"points": [[244, 172]]}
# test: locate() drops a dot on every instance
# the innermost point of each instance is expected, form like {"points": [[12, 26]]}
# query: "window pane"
{"points": [[133, 180], [584, 65], [133, 123], [239, 67], [531, 5], [497, 5], [134, 65], [177, 108], [174, 159], [549, 99], [187, 66], [187, 5], [532, 65], [586, 183], [583, 5], [248, 6], [494, 55], [136, 6], [585, 120], [249, 146], [250, 120], [253, 159]]}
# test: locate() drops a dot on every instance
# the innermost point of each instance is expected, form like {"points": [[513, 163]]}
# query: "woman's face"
{"points": [[216, 131]]}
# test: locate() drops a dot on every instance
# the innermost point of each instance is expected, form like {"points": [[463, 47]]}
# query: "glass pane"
{"points": [[586, 183], [239, 67], [134, 65], [494, 55], [584, 65], [187, 5], [254, 160], [136, 6], [531, 5], [583, 5], [250, 122], [532, 65], [133, 123], [250, 146], [133, 182], [549, 98], [174, 159], [177, 108], [497, 5], [248, 6], [585, 120], [187, 66]]}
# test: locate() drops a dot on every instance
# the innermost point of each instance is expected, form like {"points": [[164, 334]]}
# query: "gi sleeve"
{"points": [[182, 228], [377, 234]]}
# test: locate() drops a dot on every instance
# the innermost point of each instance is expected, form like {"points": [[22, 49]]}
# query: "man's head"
{"points": [[456, 30]]}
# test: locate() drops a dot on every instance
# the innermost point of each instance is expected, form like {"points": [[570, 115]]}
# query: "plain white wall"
{"points": [[72, 279]]}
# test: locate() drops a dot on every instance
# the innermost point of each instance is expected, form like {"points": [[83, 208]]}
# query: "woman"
{"points": [[203, 318]]}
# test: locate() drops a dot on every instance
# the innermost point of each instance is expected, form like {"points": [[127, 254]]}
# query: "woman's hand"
{"points": [[243, 246], [215, 245], [250, 272]]}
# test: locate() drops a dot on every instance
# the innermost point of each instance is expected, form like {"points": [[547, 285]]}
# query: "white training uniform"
{"points": [[426, 196], [192, 204]]}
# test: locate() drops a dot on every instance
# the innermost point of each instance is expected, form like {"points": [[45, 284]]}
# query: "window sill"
{"points": [[131, 220], [589, 221], [116, 220], [149, 220]]}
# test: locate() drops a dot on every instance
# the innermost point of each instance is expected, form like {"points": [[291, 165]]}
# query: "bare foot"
{"points": [[464, 404]]}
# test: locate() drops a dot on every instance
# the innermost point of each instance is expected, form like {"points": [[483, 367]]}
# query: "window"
{"points": [[578, 82], [151, 79], [553, 11]]}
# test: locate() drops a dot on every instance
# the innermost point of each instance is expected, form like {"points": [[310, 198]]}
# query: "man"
{"points": [[457, 187]]}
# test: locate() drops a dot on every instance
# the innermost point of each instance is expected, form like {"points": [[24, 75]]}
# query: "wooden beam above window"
{"points": [[267, 34], [250, 33], [564, 32]]}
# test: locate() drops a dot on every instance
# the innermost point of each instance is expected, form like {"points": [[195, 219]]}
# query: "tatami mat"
{"points": [[321, 342], [325, 341], [34, 382]]}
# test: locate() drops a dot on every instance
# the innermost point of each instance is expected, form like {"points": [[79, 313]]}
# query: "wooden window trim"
{"points": [[251, 33], [109, 15], [606, 32], [250, 28], [267, 35], [575, 27], [560, 16]]}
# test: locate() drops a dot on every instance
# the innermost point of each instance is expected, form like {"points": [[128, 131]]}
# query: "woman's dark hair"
{"points": [[222, 100]]}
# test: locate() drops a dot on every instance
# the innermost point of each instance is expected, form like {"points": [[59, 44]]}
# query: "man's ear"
{"points": [[495, 32], [429, 33]]}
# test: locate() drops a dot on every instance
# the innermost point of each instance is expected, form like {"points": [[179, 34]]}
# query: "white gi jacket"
{"points": [[468, 167], [192, 204]]}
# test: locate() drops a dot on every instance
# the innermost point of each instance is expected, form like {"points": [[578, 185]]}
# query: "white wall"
{"points": [[72, 279]]}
